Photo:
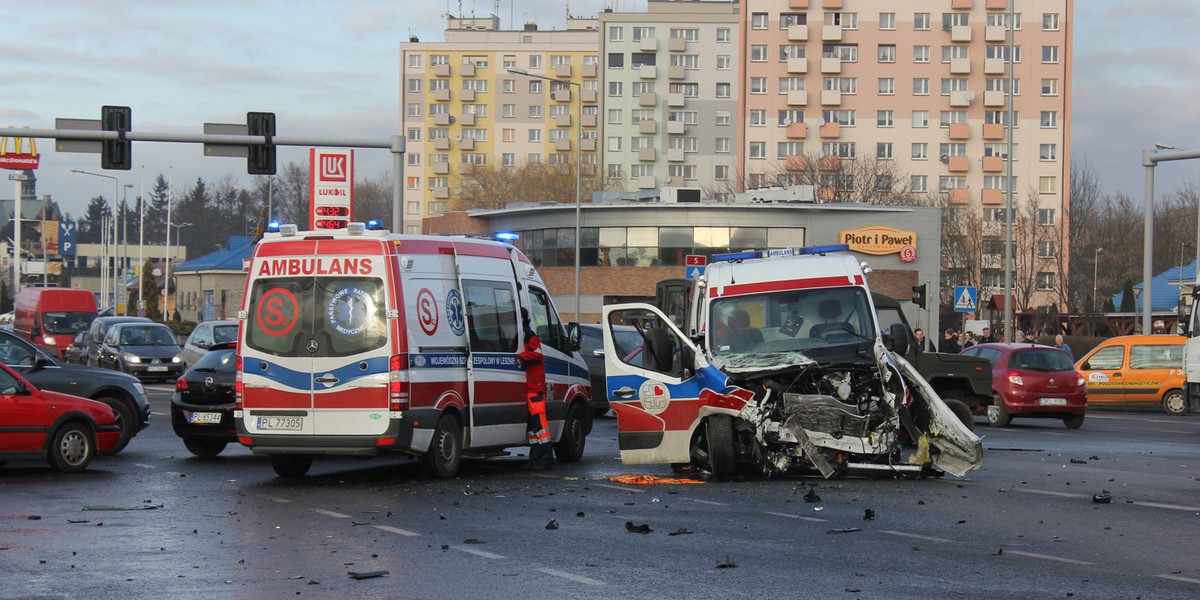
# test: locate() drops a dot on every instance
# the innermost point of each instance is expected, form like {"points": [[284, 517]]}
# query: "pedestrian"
{"points": [[1019, 337], [949, 343], [968, 340], [175, 315], [987, 337], [923, 344], [537, 427], [1061, 345]]}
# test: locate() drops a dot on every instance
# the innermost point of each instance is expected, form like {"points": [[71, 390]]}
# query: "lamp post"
{"points": [[167, 281], [104, 267], [578, 163], [1095, 273], [124, 248], [18, 179], [141, 240]]}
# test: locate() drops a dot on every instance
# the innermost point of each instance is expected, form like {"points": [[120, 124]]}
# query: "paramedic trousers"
{"points": [[538, 428]]}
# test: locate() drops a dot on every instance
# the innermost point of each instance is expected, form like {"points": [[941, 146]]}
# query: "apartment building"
{"points": [[671, 88], [921, 86], [487, 97]]}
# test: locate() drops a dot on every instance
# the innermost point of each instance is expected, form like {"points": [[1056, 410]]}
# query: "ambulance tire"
{"points": [[719, 432], [569, 447], [291, 465], [445, 450]]}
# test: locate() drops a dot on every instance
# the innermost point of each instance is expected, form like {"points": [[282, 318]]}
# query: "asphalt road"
{"points": [[156, 522]]}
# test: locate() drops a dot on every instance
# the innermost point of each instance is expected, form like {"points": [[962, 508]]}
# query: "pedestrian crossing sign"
{"points": [[966, 298]]}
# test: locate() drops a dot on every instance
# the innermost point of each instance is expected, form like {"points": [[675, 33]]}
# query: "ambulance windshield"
{"points": [[316, 316], [790, 320]]}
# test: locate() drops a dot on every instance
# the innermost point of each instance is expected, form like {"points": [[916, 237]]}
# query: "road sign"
{"points": [[694, 265], [66, 238], [966, 298]]}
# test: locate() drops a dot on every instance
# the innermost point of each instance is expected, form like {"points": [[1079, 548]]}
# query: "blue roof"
{"points": [[238, 248], [1164, 288]]}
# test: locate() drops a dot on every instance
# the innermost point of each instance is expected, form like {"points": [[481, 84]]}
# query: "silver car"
{"points": [[205, 336]]}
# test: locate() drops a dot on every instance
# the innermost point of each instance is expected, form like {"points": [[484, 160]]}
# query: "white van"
{"points": [[358, 341]]}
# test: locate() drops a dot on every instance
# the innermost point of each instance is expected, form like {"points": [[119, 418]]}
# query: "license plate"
{"points": [[157, 369], [281, 423], [1053, 401], [204, 418]]}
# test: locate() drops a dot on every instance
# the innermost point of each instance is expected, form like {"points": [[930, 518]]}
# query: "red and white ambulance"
{"points": [[358, 341]]}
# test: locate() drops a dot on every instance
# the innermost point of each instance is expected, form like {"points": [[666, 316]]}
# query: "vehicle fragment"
{"points": [[845, 530], [812, 496], [553, 524], [366, 574], [728, 564], [643, 528], [1104, 498]]}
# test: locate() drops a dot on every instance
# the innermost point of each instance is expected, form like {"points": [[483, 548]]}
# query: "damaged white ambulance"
{"points": [[784, 369]]}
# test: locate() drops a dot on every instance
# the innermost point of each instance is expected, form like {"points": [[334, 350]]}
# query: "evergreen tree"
{"points": [[91, 226], [149, 292], [1128, 304]]}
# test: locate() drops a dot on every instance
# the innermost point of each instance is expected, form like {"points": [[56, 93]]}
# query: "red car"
{"points": [[41, 425], [1031, 380]]}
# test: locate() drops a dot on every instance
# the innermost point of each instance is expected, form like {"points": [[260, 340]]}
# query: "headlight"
{"points": [[48, 340], [176, 359], [129, 357]]}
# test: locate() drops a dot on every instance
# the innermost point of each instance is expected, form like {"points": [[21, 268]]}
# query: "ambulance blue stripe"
{"points": [[298, 380], [492, 361]]}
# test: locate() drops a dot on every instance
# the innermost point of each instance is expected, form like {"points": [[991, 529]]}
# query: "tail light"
{"points": [[1015, 378], [237, 384], [397, 386], [181, 384], [1080, 381]]}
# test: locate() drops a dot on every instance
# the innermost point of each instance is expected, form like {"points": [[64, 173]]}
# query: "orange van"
{"points": [[50, 317], [1136, 369]]}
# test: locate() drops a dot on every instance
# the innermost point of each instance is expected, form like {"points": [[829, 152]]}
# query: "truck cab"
{"points": [[783, 367]]}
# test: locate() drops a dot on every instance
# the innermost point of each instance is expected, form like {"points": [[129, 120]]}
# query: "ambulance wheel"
{"points": [[719, 431], [445, 451], [569, 447], [291, 465]]}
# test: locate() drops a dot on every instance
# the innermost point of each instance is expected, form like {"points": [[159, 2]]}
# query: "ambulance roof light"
{"points": [[505, 236], [273, 227], [749, 254], [355, 228], [288, 230], [735, 256], [825, 249], [375, 225]]}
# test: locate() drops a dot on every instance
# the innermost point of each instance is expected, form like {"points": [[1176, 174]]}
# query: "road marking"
{"points": [[1168, 506], [279, 500], [619, 487], [1048, 557], [331, 513], [397, 530], [575, 578], [927, 538], [158, 414], [1050, 493], [1137, 502], [709, 502], [478, 552], [1180, 432], [787, 516], [144, 466], [1178, 578]]}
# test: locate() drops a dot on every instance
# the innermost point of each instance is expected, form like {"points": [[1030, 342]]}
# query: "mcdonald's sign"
{"points": [[14, 156]]}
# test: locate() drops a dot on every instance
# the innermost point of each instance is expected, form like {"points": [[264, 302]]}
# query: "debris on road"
{"points": [[473, 541], [728, 564], [845, 530], [869, 514], [1102, 498], [366, 574], [552, 524], [134, 507], [1078, 461], [643, 528], [681, 531], [812, 496], [650, 480]]}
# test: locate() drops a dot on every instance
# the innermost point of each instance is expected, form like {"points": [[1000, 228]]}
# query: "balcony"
{"points": [[442, 70], [467, 69], [958, 195], [960, 131], [993, 131], [563, 71], [676, 71], [647, 182], [588, 120], [797, 3], [587, 144], [675, 155], [562, 95], [961, 4], [831, 97], [647, 154], [993, 98], [992, 197], [648, 44], [590, 95], [961, 98], [442, 119], [797, 65], [797, 98], [958, 164], [676, 127], [467, 95], [676, 44], [590, 70], [648, 71], [441, 168], [993, 66], [441, 193], [442, 95], [829, 163], [466, 143], [960, 33], [563, 145], [994, 33], [831, 4], [676, 181], [647, 126], [797, 131], [797, 162], [466, 119], [831, 33], [441, 143], [676, 100], [960, 66], [996, 4], [993, 164], [798, 33], [831, 65], [830, 131], [562, 120], [648, 99], [466, 168]]}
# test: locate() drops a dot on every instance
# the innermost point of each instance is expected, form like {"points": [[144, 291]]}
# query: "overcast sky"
{"points": [[331, 69]]}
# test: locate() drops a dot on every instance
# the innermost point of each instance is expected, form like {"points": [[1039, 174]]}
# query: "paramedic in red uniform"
{"points": [[540, 454]]}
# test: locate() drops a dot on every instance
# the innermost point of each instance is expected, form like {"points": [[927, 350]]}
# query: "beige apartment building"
{"points": [[923, 87]]}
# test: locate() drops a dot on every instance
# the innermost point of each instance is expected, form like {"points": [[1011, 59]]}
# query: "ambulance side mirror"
{"points": [[574, 337], [898, 339]]}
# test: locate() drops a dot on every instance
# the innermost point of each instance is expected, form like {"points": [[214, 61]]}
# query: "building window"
{"points": [[535, 61], [887, 53], [724, 63], [883, 151], [788, 19], [758, 118], [535, 111], [1050, 54], [847, 20], [921, 86], [1048, 152], [758, 53], [414, 61], [786, 149], [690, 62], [845, 118], [535, 87], [723, 90], [1047, 184], [887, 21], [535, 135], [1045, 249], [758, 149], [920, 151], [1049, 21], [414, 134], [759, 20], [615, 89], [1049, 87], [721, 144], [1049, 119], [791, 84], [614, 144], [414, 110], [920, 118], [883, 118], [920, 54], [789, 116], [616, 60], [724, 118], [758, 85], [846, 150], [845, 85], [414, 160], [616, 34], [1045, 281], [508, 111], [921, 21], [919, 183], [723, 34], [721, 172], [1045, 216]]}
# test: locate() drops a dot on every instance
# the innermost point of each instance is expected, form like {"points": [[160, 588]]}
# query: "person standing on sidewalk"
{"points": [[541, 455]]}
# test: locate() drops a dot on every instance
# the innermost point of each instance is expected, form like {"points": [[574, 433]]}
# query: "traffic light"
{"points": [[919, 295], [116, 154], [260, 158]]}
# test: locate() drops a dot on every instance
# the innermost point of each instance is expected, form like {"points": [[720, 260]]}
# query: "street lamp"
{"points": [[578, 163], [18, 179], [104, 268], [167, 281], [1095, 273], [124, 247]]}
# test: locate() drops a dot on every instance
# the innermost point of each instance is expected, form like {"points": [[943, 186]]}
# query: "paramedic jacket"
{"points": [[533, 361]]}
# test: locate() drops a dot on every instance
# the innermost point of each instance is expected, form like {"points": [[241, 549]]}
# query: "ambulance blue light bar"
{"points": [[273, 226], [374, 225], [507, 237], [749, 254], [825, 249]]}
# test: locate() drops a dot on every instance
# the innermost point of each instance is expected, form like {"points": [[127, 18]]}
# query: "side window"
{"points": [[545, 321], [491, 316], [14, 354], [1109, 358], [8, 384], [202, 336], [1156, 357], [111, 338], [991, 354]]}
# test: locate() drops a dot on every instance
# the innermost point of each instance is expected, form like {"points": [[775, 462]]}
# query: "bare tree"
{"points": [[373, 199], [495, 186], [963, 256], [868, 180]]}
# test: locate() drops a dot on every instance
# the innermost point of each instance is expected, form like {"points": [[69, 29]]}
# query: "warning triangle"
{"points": [[965, 300]]}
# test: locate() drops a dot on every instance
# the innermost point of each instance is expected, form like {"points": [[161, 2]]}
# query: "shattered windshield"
{"points": [[807, 321]]}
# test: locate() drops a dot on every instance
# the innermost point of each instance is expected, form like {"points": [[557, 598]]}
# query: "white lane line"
{"points": [[482, 553], [1178, 578], [1168, 506], [1050, 493], [279, 500], [798, 517], [158, 414], [575, 578], [144, 466], [330, 513], [619, 487], [397, 530], [1048, 557], [1137, 502], [1179, 432], [708, 502], [927, 538]]}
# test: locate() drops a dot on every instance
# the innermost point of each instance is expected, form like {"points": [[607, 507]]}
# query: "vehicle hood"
{"points": [[96, 375], [765, 364], [152, 351], [99, 411], [957, 450]]}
